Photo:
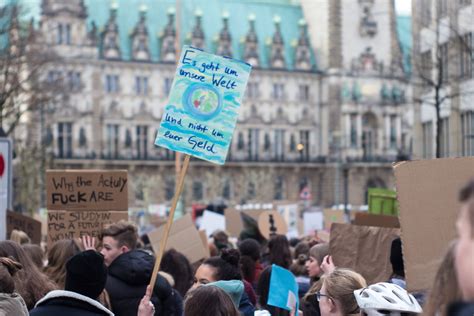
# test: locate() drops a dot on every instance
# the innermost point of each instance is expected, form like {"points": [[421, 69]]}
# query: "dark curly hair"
{"points": [[226, 265]]}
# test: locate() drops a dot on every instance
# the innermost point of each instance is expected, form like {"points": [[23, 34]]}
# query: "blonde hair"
{"points": [[19, 237], [445, 289], [340, 285]]}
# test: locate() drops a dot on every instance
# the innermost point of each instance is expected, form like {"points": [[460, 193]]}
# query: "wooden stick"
{"points": [[174, 203]]}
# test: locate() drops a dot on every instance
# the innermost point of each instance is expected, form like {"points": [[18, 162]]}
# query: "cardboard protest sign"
{"points": [[363, 249], [333, 216], [87, 190], [233, 222], [271, 222], [184, 237], [365, 219], [203, 105], [290, 213], [75, 224], [428, 204], [27, 224]]}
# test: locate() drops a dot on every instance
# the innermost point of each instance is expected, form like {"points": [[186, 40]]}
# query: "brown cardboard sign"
{"points": [[29, 225], [87, 190], [184, 237], [269, 220], [428, 205], [366, 219], [74, 224], [233, 222], [333, 216], [363, 249]]}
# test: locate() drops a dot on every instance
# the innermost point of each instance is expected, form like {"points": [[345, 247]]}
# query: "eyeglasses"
{"points": [[319, 295]]}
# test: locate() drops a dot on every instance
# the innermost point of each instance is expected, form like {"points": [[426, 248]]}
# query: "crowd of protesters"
{"points": [[110, 276]]}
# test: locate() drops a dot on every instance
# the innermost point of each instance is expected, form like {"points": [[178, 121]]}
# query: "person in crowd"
{"points": [[20, 237], [221, 240], [298, 268], [209, 300], [385, 298], [86, 276], [464, 253], [336, 296], [279, 251], [224, 267], [263, 290], [396, 259], [11, 303], [445, 289], [129, 272], [35, 253], [302, 248], [317, 255], [61, 251], [179, 267], [30, 282], [250, 256]]}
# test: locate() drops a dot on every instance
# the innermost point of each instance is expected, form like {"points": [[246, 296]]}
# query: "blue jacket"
{"points": [[245, 306]]}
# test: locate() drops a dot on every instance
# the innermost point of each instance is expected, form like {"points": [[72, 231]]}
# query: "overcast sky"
{"points": [[403, 7]]}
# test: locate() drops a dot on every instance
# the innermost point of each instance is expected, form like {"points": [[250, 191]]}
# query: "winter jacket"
{"points": [[60, 303], [461, 309], [250, 292], [12, 304], [245, 307], [128, 277]]}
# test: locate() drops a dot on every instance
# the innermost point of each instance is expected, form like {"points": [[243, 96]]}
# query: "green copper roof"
{"points": [[405, 38]]}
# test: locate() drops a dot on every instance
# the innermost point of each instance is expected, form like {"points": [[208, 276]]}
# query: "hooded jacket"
{"points": [[12, 304], [128, 277], [60, 303]]}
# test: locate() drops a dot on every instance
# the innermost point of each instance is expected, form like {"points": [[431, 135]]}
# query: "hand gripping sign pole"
{"points": [[200, 117]]}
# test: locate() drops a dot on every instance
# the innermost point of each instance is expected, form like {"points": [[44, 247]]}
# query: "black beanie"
{"points": [[396, 257], [86, 274]]}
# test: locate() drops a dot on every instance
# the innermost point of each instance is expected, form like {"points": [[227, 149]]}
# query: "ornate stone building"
{"points": [[322, 108]]}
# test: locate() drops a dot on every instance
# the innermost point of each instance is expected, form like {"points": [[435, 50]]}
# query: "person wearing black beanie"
{"points": [[86, 276], [396, 259]]}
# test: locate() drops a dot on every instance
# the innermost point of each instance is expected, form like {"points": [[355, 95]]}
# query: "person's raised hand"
{"points": [[88, 242], [146, 307], [327, 265]]}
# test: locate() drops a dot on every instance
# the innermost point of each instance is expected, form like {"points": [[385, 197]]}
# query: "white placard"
{"points": [[211, 222], [313, 221]]}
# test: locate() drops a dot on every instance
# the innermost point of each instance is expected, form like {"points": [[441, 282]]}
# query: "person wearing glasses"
{"points": [[336, 297]]}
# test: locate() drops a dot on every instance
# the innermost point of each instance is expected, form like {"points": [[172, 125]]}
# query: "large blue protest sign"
{"points": [[283, 289], [203, 105]]}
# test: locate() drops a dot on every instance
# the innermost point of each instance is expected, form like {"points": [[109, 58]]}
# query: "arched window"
{"points": [[369, 135]]}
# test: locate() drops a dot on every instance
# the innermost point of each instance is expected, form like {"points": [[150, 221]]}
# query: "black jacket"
{"points": [[60, 303], [461, 309], [128, 277]]}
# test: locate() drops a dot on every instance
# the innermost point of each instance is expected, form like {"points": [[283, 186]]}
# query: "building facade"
{"points": [[443, 78], [325, 108]]}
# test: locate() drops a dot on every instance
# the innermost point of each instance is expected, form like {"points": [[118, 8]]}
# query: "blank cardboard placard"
{"points": [[74, 224], [333, 216], [29, 225], [363, 249], [87, 190], [428, 205], [265, 225], [233, 222], [366, 219], [184, 237]]}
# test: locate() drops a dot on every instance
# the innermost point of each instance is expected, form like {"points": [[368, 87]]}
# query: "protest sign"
{"points": [[27, 224], [203, 105], [290, 213], [365, 219], [87, 190], [313, 221], [333, 216], [271, 222], [75, 224], [233, 222], [6, 177], [363, 249], [212, 221], [428, 193], [183, 236], [283, 289], [382, 201]]}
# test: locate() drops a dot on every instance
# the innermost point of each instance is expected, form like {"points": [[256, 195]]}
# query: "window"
{"points": [[254, 145], [467, 127], [425, 11], [467, 55], [252, 90], [59, 35], [65, 140], [353, 130], [54, 76], [169, 188], [112, 140], [112, 83], [198, 192], [444, 142], [279, 144], [426, 66], [443, 58], [167, 85], [67, 34], [279, 188], [304, 145], [278, 91], [304, 92], [142, 142], [442, 8], [226, 190], [251, 190], [240, 141], [141, 85], [292, 143], [63, 36], [82, 137], [267, 142], [393, 131], [427, 139], [74, 80], [464, 2]]}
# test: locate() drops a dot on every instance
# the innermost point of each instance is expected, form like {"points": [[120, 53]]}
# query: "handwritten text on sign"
{"points": [[203, 105], [75, 224], [29, 225], [86, 189]]}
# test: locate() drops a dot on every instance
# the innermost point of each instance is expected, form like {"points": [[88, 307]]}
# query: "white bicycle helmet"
{"points": [[386, 299]]}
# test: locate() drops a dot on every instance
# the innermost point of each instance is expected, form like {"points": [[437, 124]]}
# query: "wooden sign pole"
{"points": [[174, 203]]}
